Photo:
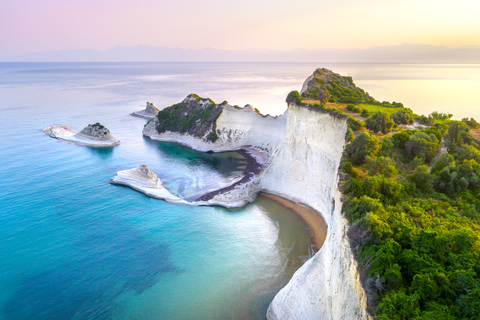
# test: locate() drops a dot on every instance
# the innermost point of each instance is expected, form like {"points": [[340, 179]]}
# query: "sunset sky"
{"points": [[48, 25]]}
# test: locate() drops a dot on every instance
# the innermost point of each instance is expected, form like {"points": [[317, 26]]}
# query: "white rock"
{"points": [[91, 136], [148, 113], [302, 150], [145, 181]]}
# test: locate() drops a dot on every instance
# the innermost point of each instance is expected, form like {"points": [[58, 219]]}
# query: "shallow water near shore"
{"points": [[76, 247]]}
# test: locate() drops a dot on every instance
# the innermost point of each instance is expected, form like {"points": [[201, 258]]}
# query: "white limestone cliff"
{"points": [[305, 170], [302, 151], [237, 128]]}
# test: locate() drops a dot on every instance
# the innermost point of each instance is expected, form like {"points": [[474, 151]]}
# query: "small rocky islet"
{"points": [[94, 135]]}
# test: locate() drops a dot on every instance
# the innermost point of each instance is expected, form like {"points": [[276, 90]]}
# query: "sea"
{"points": [[73, 246]]}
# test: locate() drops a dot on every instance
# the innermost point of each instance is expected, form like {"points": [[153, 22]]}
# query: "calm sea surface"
{"points": [[72, 246]]}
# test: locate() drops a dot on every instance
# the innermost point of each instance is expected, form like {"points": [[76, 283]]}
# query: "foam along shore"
{"points": [[148, 113], [315, 223], [95, 136], [145, 181]]}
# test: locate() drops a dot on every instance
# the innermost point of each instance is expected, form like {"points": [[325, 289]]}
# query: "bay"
{"points": [[75, 247]]}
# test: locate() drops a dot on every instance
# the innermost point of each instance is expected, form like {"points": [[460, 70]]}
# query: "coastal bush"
{"points": [[354, 108], [415, 232], [404, 116], [294, 97], [422, 145], [379, 122], [329, 86], [354, 124], [365, 113], [349, 136], [380, 166], [440, 116], [471, 123], [364, 145]]}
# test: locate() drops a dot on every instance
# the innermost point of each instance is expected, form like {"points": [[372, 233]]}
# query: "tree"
{"points": [[422, 145], [380, 121], [380, 165], [404, 116], [364, 145]]}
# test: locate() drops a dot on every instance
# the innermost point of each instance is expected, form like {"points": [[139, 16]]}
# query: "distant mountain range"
{"points": [[399, 53]]}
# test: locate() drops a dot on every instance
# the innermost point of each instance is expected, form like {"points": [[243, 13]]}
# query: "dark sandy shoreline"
{"points": [[252, 170], [315, 224], [314, 221]]}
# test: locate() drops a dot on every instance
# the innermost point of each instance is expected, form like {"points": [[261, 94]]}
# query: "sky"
{"points": [[49, 25]]}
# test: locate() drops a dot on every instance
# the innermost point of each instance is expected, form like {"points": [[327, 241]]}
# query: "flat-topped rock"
{"points": [[148, 113], [145, 181], [93, 135]]}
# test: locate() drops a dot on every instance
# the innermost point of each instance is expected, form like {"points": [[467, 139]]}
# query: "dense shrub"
{"points": [[404, 116], [379, 122], [294, 97], [422, 145], [354, 108], [364, 145]]}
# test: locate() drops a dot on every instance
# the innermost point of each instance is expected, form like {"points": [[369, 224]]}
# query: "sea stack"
{"points": [[93, 135], [148, 113], [145, 181]]}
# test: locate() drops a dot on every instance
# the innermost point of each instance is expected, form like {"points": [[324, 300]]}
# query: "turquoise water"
{"points": [[75, 247]]}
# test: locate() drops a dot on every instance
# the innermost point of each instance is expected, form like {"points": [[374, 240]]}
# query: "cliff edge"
{"points": [[301, 150]]}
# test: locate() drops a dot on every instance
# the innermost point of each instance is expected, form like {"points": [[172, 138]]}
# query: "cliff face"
{"points": [[302, 151], [235, 128], [305, 170]]}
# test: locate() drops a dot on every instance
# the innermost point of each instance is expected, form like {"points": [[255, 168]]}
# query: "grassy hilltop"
{"points": [[412, 195]]}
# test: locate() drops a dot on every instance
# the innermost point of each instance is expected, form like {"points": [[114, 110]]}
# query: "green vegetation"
{"points": [[332, 87], [196, 117], [403, 116], [380, 121], [364, 145], [373, 108], [415, 214]]}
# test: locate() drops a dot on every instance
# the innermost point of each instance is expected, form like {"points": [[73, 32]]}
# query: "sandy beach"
{"points": [[315, 224]]}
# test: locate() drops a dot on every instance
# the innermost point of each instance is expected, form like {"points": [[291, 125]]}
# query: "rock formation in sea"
{"points": [[93, 135], [97, 131], [148, 113], [145, 181], [300, 152]]}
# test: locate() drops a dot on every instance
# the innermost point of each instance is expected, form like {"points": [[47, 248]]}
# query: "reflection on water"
{"points": [[103, 153]]}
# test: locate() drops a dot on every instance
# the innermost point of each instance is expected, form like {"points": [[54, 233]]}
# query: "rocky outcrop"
{"points": [[93, 135], [302, 150], [145, 181], [149, 112], [97, 131]]}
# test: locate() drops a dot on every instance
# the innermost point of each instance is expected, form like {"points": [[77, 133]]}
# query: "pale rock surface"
{"points": [[239, 127], [145, 181], [305, 170], [302, 151], [149, 112], [95, 136]]}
